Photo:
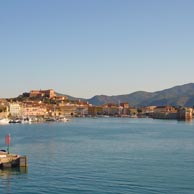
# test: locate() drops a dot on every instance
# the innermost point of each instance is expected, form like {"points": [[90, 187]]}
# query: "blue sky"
{"points": [[88, 47]]}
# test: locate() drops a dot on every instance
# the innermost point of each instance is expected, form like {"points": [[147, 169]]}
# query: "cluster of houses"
{"points": [[46, 104]]}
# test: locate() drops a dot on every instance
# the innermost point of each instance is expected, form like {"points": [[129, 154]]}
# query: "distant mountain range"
{"points": [[182, 95]]}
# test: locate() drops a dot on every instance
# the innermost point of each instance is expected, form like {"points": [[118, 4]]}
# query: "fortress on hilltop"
{"points": [[43, 93]]}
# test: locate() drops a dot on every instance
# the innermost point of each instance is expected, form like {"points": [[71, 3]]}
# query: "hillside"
{"points": [[178, 96]]}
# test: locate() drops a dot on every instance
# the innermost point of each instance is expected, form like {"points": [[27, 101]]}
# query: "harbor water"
{"points": [[101, 156]]}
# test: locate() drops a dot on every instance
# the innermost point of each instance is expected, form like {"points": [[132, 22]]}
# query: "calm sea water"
{"points": [[102, 156]]}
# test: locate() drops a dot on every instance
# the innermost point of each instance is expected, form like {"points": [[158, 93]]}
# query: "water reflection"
{"points": [[8, 172]]}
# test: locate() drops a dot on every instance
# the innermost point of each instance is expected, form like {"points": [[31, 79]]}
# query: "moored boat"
{"points": [[26, 120], [15, 121], [4, 121], [63, 119]]}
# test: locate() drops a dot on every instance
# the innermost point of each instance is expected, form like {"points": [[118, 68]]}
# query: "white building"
{"points": [[15, 109]]}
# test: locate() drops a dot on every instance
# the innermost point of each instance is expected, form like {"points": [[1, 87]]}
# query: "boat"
{"points": [[63, 119], [26, 120], [15, 121], [50, 119], [4, 121]]}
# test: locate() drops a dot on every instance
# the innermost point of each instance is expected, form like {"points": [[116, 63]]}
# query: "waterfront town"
{"points": [[46, 105]]}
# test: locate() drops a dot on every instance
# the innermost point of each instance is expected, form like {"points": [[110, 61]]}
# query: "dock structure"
{"points": [[185, 114], [8, 160]]}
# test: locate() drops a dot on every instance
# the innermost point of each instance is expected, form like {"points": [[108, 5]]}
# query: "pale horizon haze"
{"points": [[84, 48]]}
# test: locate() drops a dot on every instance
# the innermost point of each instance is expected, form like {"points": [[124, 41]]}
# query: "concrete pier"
{"points": [[12, 160]]}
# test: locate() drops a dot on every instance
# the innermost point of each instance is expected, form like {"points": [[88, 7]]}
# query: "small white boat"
{"points": [[26, 120], [4, 121], [63, 119]]}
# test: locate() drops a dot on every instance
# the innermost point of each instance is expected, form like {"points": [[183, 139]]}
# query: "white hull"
{"points": [[4, 121], [63, 119]]}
